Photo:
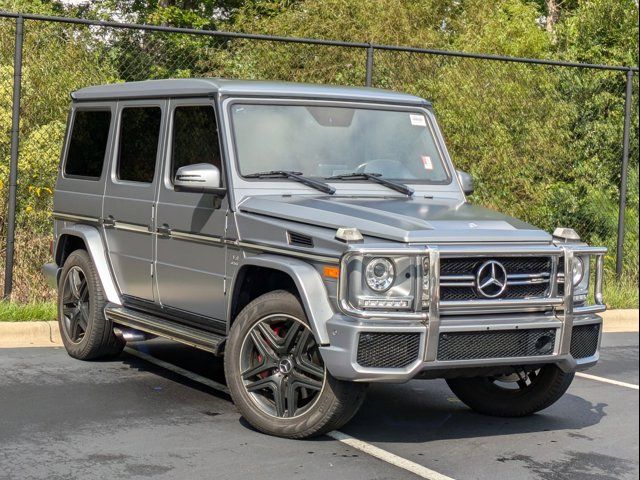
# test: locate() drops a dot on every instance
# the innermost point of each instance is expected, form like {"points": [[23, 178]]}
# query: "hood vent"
{"points": [[300, 239]]}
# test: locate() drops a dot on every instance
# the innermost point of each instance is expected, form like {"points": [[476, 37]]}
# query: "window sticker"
{"points": [[418, 120], [426, 162]]}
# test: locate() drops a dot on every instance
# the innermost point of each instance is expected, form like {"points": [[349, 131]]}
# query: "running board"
{"points": [[161, 327]]}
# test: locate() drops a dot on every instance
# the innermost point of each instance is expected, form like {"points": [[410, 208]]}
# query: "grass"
{"points": [[620, 293], [27, 312]]}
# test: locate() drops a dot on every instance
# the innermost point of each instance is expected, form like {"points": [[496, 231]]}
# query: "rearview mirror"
{"points": [[199, 178], [466, 181]]}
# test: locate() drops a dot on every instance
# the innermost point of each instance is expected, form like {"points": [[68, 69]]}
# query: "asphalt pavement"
{"points": [[128, 418]]}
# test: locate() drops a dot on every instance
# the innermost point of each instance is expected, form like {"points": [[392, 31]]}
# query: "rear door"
{"points": [[128, 207], [190, 248]]}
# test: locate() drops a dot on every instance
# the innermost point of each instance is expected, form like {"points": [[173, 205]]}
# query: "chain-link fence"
{"points": [[544, 140]]}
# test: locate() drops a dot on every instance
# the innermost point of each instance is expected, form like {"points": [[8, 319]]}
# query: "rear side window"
{"points": [[195, 137], [88, 144], [139, 135]]}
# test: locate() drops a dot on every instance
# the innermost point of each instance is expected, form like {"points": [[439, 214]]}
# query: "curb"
{"points": [[47, 334], [29, 334], [621, 320]]}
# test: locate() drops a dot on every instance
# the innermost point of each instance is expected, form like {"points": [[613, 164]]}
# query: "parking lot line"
{"points": [[388, 457], [607, 380], [365, 447]]}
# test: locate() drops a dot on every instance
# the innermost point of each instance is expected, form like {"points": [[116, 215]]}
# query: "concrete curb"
{"points": [[622, 320], [29, 334], [47, 334]]}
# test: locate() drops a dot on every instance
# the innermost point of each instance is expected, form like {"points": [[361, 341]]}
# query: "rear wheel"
{"points": [[276, 375], [85, 332], [515, 395]]}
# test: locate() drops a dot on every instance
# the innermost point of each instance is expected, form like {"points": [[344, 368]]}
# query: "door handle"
{"points": [[164, 230], [108, 221]]}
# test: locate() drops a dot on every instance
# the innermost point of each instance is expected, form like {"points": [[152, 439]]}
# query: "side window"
{"points": [[88, 144], [138, 146], [195, 137]]}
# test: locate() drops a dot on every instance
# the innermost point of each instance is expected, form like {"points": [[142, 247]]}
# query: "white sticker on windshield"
{"points": [[426, 162], [418, 120]]}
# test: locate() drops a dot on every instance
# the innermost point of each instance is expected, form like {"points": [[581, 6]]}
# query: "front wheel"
{"points": [[276, 375], [516, 395]]}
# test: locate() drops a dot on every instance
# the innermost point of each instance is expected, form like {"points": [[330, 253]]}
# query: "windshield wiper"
{"points": [[375, 177], [297, 176]]}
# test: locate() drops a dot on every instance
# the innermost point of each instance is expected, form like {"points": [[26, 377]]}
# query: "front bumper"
{"points": [[341, 356], [487, 335]]}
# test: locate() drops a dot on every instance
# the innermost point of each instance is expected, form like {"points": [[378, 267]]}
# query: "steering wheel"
{"points": [[387, 167]]}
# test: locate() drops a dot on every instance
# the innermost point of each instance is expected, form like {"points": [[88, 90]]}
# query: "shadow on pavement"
{"points": [[418, 411]]}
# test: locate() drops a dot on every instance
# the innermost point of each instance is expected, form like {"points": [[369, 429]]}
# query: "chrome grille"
{"points": [[527, 277]]}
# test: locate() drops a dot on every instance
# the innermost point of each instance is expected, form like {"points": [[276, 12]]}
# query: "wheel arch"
{"points": [[88, 238], [302, 277]]}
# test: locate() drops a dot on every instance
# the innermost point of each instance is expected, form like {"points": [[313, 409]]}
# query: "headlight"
{"points": [[381, 282], [578, 271], [380, 274]]}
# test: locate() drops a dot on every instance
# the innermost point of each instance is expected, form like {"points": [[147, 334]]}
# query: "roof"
{"points": [[192, 87]]}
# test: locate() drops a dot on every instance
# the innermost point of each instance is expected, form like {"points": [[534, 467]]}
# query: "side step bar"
{"points": [[161, 327]]}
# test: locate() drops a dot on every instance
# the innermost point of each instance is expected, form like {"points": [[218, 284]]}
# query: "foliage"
{"points": [[27, 312], [543, 143]]}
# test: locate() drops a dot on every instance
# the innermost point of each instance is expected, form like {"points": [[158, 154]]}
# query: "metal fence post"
{"points": [[369, 78], [13, 172], [625, 167]]}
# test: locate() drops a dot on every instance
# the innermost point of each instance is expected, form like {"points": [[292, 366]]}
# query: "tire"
{"points": [[270, 335], [86, 333], [533, 391]]}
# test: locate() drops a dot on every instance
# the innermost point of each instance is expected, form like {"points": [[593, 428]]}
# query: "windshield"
{"points": [[324, 142]]}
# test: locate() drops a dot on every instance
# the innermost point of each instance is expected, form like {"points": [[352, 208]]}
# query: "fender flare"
{"points": [[97, 251], [307, 280]]}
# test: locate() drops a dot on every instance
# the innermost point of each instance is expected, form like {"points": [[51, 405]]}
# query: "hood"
{"points": [[410, 220]]}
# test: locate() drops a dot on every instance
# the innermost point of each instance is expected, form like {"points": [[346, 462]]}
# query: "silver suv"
{"points": [[319, 238]]}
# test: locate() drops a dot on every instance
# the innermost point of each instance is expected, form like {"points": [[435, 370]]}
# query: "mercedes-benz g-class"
{"points": [[317, 237]]}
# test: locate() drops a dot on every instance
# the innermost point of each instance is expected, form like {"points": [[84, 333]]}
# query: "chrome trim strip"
{"points": [[180, 235], [132, 227], [287, 252], [476, 304], [194, 237], [72, 217]]}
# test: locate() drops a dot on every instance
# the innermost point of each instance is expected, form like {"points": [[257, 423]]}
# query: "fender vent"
{"points": [[300, 239]]}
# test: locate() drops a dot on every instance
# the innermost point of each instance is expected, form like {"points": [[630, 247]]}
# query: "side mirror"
{"points": [[199, 178], [466, 181]]}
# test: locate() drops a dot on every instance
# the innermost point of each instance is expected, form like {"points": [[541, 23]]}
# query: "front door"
{"points": [[190, 259], [127, 212]]}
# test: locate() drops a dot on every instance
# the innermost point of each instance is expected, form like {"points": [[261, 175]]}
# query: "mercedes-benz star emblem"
{"points": [[285, 366], [491, 279]]}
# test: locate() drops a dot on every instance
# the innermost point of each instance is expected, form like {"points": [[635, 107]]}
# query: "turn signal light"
{"points": [[331, 272]]}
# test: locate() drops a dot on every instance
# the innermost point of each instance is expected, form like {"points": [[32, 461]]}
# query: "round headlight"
{"points": [[578, 271], [380, 274]]}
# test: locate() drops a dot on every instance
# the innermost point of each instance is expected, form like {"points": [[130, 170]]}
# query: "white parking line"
{"points": [[365, 447], [607, 380], [388, 457]]}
